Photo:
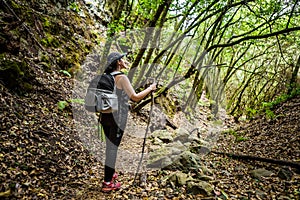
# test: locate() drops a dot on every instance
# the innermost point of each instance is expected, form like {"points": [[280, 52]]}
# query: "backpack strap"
{"points": [[98, 125], [113, 74], [116, 73]]}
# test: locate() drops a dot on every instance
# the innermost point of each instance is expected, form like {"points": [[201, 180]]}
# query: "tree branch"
{"points": [[268, 160], [254, 37]]}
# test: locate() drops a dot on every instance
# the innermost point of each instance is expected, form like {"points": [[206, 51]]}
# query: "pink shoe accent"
{"points": [[107, 187], [115, 176]]}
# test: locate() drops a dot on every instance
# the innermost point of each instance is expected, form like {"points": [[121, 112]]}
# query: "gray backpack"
{"points": [[101, 94]]}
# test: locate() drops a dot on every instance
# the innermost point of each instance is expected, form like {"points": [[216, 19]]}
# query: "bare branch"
{"points": [[251, 37]]}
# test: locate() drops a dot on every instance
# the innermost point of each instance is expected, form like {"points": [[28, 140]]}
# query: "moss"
{"points": [[50, 41], [46, 66], [75, 56], [66, 61], [167, 104], [15, 5], [75, 69], [46, 22], [12, 71], [27, 86], [56, 27], [29, 16], [44, 58], [55, 43]]}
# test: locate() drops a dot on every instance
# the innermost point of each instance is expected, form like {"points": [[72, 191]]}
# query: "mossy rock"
{"points": [[13, 73]]}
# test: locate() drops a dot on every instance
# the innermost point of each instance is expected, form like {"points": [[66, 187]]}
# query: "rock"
{"points": [[196, 139], [193, 137], [200, 146], [186, 161], [206, 171], [261, 172], [164, 156], [203, 150], [163, 135], [159, 158], [187, 144], [179, 178], [201, 187], [205, 178], [285, 173], [157, 141], [176, 147], [182, 135]]}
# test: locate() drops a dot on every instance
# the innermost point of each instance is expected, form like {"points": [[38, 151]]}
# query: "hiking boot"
{"points": [[107, 187]]}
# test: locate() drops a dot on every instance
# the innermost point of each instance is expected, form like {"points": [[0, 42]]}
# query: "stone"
{"points": [[205, 178], [176, 147], [157, 141], [159, 158], [182, 135], [179, 178], [165, 155], [200, 187], [163, 135], [261, 172], [200, 147], [206, 170], [186, 161], [285, 174]]}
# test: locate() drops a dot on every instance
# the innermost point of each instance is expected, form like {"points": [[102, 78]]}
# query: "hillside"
{"points": [[277, 138], [41, 45]]}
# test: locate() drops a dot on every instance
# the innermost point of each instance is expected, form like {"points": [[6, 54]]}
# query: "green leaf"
{"points": [[62, 105], [65, 73]]}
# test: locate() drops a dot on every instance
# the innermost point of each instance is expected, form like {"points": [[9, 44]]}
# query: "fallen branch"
{"points": [[268, 160]]}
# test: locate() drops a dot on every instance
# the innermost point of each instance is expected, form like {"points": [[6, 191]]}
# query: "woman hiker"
{"points": [[114, 123]]}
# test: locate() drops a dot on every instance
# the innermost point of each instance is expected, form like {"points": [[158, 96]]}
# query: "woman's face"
{"points": [[123, 64]]}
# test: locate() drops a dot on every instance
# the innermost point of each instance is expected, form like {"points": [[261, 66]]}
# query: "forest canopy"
{"points": [[241, 54], [246, 50]]}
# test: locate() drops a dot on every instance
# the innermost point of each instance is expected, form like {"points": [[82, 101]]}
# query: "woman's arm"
{"points": [[123, 82]]}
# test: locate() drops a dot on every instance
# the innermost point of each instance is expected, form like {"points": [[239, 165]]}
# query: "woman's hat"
{"points": [[114, 56]]}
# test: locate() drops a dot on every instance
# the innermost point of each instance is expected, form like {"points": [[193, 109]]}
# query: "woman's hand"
{"points": [[152, 86]]}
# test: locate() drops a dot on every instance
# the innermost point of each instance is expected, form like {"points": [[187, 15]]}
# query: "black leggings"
{"points": [[113, 136]]}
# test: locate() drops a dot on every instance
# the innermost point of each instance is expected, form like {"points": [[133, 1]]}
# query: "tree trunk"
{"points": [[148, 36], [293, 81], [152, 47]]}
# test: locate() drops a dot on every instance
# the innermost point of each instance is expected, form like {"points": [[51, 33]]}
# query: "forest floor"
{"points": [[277, 138], [43, 158]]}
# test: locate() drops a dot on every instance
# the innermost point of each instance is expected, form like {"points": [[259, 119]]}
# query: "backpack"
{"points": [[101, 94]]}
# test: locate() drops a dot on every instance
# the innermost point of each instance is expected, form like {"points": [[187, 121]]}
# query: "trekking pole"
{"points": [[144, 142]]}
